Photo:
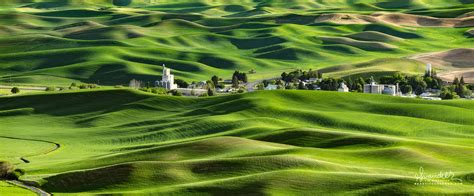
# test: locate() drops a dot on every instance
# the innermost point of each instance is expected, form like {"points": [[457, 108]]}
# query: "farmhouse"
{"points": [[167, 80], [271, 87], [199, 85], [343, 88]]}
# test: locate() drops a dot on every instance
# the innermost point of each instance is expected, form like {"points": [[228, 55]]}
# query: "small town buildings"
{"points": [[343, 88], [199, 85], [373, 88], [432, 98], [386, 89], [167, 80], [314, 80], [392, 90], [271, 87], [430, 95], [192, 92], [221, 90]]}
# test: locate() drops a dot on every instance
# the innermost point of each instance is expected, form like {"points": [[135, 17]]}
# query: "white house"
{"points": [[343, 88], [313, 80], [167, 80], [271, 87]]}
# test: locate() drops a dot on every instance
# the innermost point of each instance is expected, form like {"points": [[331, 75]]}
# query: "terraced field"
{"points": [[57, 42], [121, 141]]}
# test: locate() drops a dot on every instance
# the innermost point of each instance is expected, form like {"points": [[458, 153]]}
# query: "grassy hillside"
{"points": [[9, 189], [58, 42], [120, 141], [239, 5], [376, 68], [282, 142]]}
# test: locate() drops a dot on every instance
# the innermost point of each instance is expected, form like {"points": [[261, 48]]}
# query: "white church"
{"points": [[167, 80]]}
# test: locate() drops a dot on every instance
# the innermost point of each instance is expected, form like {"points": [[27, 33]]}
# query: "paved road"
{"points": [[251, 85], [29, 187]]}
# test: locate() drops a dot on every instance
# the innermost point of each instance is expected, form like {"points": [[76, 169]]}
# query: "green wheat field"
{"points": [[286, 142]]}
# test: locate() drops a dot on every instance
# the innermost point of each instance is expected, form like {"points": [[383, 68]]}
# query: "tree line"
{"points": [[416, 84]]}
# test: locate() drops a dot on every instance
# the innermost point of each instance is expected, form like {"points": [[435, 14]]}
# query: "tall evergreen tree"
{"points": [[456, 81], [215, 80], [235, 82]]}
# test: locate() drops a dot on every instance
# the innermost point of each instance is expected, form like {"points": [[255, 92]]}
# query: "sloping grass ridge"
{"points": [[282, 142]]}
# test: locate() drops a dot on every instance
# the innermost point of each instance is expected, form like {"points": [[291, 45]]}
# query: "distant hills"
{"points": [[293, 4], [59, 42]]}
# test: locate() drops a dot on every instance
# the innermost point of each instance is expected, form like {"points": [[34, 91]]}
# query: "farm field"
{"points": [[57, 42], [8, 189], [94, 135], [123, 141], [8, 91]]}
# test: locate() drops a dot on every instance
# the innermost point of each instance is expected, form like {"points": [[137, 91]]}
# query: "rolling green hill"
{"points": [[123, 141], [58, 42], [282, 142]]}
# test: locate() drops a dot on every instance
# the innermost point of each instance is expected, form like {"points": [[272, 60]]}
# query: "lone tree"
{"points": [[210, 92], [9, 172], [15, 90]]}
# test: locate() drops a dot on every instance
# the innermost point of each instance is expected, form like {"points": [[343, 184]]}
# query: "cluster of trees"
{"points": [[295, 80], [181, 83], [408, 84], [76, 86], [238, 77], [327, 84], [265, 84], [416, 84], [8, 171], [160, 91], [300, 75], [357, 85], [413, 84], [458, 89], [15, 90], [211, 86], [217, 82], [331, 84]]}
